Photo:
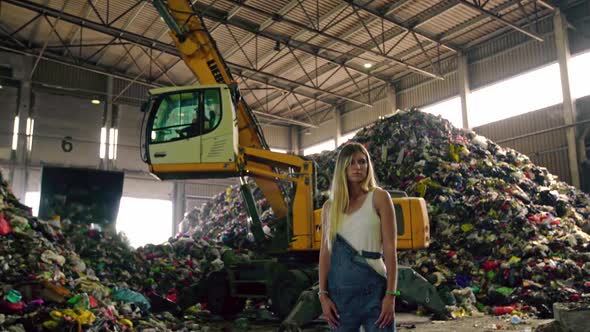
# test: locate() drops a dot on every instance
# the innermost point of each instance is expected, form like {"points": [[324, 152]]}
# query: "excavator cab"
{"points": [[191, 132]]}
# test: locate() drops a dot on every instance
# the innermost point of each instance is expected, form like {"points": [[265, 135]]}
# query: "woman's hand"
{"points": [[387, 315], [329, 310]]}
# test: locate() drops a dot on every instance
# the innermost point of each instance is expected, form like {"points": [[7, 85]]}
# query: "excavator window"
{"points": [[212, 103], [177, 117]]}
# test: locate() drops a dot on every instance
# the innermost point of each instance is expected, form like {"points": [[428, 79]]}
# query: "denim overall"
{"points": [[356, 288]]}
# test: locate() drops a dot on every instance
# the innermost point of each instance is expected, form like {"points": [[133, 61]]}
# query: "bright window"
{"points": [[524, 93], [347, 137], [449, 109], [580, 75], [32, 199], [521, 94], [145, 220], [278, 150], [317, 148]]}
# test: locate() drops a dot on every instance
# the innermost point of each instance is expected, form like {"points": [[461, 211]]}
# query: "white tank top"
{"points": [[362, 229]]}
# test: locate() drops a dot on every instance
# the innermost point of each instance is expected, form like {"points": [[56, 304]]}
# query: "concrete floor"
{"points": [[412, 322]]}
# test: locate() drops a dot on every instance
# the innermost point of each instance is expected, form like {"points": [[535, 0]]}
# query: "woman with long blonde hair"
{"points": [[358, 256]]}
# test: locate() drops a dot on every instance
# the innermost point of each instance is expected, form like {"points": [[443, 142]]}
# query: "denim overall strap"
{"points": [[356, 288]]}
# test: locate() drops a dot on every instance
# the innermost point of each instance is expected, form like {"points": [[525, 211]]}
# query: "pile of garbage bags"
{"points": [[62, 276], [506, 236], [501, 226]]}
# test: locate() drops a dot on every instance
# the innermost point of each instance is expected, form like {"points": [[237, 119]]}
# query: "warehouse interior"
{"points": [[75, 73]]}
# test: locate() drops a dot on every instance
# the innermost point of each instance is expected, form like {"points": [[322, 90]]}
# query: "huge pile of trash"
{"points": [[502, 228], [505, 234], [72, 276]]}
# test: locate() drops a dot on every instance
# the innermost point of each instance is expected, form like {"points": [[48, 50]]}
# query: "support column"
{"points": [[337, 126], [19, 171], [179, 201], [464, 90], [391, 98], [113, 136], [569, 107], [294, 140], [106, 163]]}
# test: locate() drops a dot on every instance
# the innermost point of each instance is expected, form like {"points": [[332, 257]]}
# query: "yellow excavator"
{"points": [[208, 131]]}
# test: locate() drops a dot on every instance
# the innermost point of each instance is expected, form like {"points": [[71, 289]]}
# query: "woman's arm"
{"points": [[384, 208], [324, 265], [328, 307]]}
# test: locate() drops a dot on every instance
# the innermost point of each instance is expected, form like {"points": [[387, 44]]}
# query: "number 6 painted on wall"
{"points": [[66, 144]]}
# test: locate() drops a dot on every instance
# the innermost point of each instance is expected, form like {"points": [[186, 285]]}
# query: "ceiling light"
{"points": [[95, 101], [1, 86], [368, 65]]}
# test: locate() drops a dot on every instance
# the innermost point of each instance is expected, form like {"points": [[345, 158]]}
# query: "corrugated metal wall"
{"points": [[129, 93], [365, 115], [58, 116], [509, 55], [325, 131], [198, 192], [495, 60], [418, 90], [70, 78], [428, 92], [277, 136], [8, 100], [147, 187], [128, 151], [578, 16], [78, 81], [548, 149]]}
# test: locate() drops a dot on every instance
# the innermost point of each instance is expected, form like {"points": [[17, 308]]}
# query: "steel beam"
{"points": [[268, 22], [464, 26], [569, 107], [287, 120], [464, 89], [148, 42], [400, 24], [394, 6], [297, 84], [501, 19], [25, 25], [35, 28], [385, 11], [313, 50], [125, 26], [85, 45], [545, 4], [88, 67], [280, 18], [280, 88], [445, 35]]}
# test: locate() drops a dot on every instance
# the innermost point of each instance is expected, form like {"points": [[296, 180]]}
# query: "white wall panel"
{"points": [[148, 187], [57, 116], [34, 179], [84, 81], [128, 150], [325, 131], [8, 100], [365, 115], [548, 150], [428, 92], [276, 136]]}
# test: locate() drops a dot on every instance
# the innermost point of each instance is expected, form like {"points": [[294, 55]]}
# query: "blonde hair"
{"points": [[339, 199]]}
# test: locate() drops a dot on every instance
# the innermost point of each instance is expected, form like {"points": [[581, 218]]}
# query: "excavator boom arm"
{"points": [[200, 53]]}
